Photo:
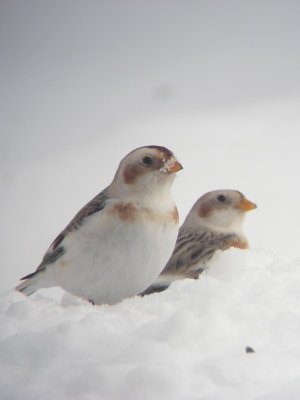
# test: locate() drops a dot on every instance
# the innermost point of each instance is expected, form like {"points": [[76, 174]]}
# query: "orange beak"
{"points": [[246, 205], [172, 165], [176, 167]]}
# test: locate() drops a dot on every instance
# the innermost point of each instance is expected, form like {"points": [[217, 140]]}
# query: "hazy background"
{"points": [[85, 82]]}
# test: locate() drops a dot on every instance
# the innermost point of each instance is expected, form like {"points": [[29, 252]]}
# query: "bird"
{"points": [[214, 224], [120, 241]]}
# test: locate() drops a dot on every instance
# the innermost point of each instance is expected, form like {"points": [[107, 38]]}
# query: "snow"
{"points": [[185, 343], [216, 82]]}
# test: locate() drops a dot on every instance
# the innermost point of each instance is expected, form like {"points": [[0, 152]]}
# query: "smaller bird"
{"points": [[119, 242], [215, 223]]}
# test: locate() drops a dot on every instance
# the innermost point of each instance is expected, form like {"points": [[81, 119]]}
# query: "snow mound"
{"points": [[186, 343]]}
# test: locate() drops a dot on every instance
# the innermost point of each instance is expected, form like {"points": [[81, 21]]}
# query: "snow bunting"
{"points": [[214, 223], [120, 241]]}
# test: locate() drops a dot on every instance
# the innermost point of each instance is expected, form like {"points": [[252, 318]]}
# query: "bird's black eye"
{"points": [[147, 160], [221, 198]]}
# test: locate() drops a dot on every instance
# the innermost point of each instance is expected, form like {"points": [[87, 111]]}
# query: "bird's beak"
{"points": [[172, 165], [176, 167], [246, 205]]}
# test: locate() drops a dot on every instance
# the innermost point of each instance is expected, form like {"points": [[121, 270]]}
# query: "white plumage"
{"points": [[121, 240]]}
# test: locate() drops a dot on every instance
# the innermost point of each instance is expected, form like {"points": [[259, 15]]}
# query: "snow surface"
{"points": [[82, 84], [186, 343]]}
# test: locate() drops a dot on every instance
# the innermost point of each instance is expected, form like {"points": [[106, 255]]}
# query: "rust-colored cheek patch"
{"points": [[130, 173], [204, 210]]}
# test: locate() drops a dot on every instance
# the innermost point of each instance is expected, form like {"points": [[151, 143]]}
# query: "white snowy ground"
{"points": [[186, 343], [189, 342]]}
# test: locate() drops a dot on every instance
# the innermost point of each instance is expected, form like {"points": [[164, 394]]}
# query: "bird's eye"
{"points": [[147, 160], [221, 198]]}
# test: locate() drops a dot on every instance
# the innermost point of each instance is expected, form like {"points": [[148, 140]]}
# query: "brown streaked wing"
{"points": [[56, 250], [194, 250]]}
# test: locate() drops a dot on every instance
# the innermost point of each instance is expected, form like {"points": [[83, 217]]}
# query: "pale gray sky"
{"points": [[71, 69]]}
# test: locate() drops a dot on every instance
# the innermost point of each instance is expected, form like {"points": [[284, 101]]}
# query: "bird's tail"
{"points": [[155, 288], [29, 284]]}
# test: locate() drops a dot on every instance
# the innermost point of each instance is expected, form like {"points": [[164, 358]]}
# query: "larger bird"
{"points": [[215, 223], [120, 241]]}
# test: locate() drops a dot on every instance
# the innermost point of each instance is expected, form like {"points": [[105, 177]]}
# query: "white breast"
{"points": [[108, 259]]}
